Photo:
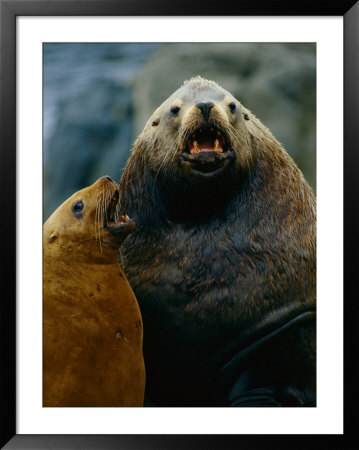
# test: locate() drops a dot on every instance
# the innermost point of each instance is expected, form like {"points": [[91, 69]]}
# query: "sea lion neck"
{"points": [[92, 324], [189, 204], [86, 227], [88, 251], [226, 238], [162, 199]]}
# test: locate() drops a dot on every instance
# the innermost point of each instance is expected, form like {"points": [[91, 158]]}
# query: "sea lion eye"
{"points": [[232, 106], [174, 110], [77, 208]]}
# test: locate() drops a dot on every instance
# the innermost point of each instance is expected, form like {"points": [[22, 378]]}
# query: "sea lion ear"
{"points": [[53, 236], [155, 122]]}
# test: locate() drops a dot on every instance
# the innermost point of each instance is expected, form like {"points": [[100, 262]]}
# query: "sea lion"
{"points": [[92, 325], [223, 258]]}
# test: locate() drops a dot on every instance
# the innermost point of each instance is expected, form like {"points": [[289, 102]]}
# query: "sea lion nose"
{"points": [[205, 108]]}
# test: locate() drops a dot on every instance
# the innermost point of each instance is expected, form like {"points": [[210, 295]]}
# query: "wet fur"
{"points": [[92, 325], [217, 265]]}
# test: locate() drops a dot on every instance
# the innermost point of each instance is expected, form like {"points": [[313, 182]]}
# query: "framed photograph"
{"points": [[91, 91]]}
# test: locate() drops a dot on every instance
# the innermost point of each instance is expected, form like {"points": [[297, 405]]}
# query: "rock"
{"points": [[277, 82], [98, 97], [87, 114]]}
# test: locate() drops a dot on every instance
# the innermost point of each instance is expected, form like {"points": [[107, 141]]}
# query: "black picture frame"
{"points": [[9, 10]]}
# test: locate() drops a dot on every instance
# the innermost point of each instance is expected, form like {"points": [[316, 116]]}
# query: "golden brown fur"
{"points": [[92, 325]]}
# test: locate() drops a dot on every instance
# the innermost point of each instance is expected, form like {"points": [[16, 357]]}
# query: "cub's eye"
{"points": [[174, 110], [232, 106], [77, 208]]}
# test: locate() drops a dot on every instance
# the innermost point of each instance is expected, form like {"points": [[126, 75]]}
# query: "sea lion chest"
{"points": [[92, 336], [206, 293], [183, 281], [223, 258]]}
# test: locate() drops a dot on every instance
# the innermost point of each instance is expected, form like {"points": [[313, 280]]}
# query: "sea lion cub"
{"points": [[92, 325], [223, 258]]}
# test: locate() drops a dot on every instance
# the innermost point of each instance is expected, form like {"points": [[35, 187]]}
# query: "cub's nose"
{"points": [[205, 109]]}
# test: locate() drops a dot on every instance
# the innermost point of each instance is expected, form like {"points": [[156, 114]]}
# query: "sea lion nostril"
{"points": [[205, 108], [88, 258], [223, 238]]}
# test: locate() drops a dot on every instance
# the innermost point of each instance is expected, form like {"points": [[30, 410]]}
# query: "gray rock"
{"points": [[87, 114], [277, 82], [98, 97]]}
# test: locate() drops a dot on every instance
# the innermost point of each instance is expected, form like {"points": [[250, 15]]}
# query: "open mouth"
{"points": [[207, 140], [113, 223], [207, 151]]}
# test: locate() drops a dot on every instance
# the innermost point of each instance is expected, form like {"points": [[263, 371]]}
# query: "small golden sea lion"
{"points": [[92, 325]]}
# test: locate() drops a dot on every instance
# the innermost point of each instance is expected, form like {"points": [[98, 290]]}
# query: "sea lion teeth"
{"points": [[215, 240], [216, 144], [195, 145]]}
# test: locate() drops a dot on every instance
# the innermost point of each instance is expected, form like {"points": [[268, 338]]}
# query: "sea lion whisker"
{"points": [[98, 223], [221, 246], [121, 259], [86, 293]]}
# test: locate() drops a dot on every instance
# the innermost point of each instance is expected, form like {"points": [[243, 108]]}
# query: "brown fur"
{"points": [[220, 258], [92, 326]]}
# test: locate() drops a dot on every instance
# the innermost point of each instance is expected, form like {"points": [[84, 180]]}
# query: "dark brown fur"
{"points": [[223, 266]]}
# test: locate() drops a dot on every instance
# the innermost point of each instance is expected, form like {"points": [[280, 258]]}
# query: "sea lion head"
{"points": [[88, 222], [200, 132], [197, 150]]}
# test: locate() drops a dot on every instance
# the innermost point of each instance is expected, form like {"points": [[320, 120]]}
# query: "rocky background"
{"points": [[98, 97]]}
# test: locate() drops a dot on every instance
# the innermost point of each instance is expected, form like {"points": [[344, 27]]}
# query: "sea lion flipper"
{"points": [[242, 395], [225, 240]]}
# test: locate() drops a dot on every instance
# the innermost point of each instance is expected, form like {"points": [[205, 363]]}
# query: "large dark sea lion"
{"points": [[223, 258], [92, 325]]}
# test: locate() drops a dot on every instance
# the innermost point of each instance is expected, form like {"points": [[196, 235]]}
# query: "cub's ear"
{"points": [[53, 236]]}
